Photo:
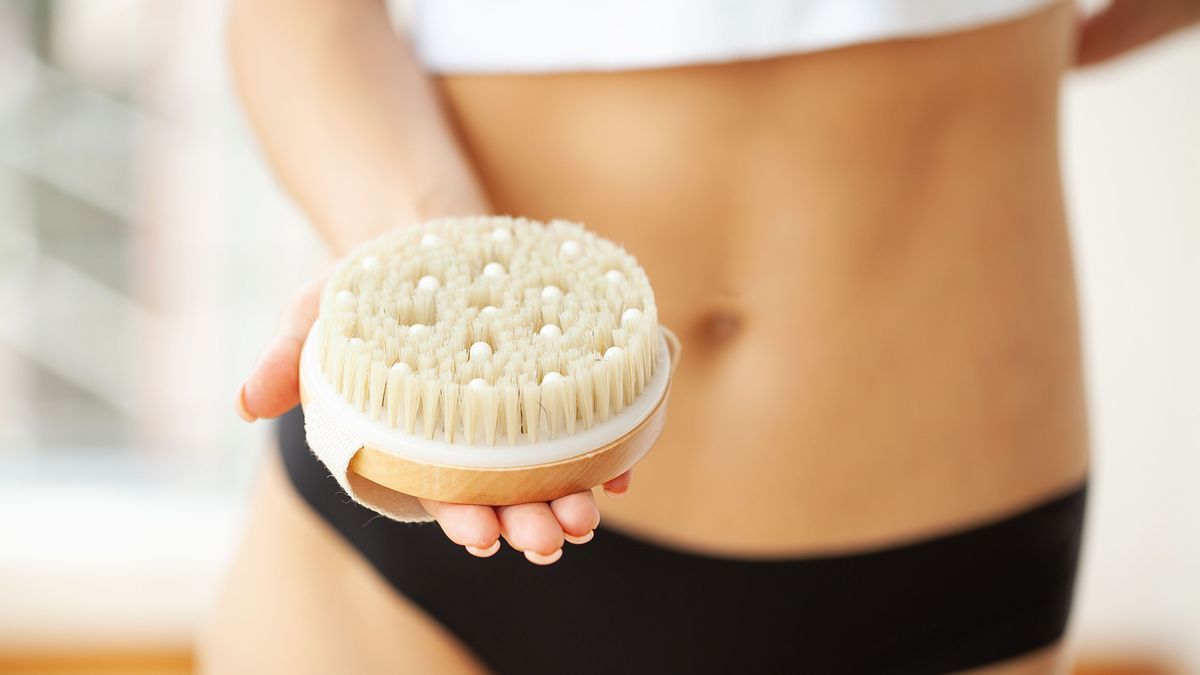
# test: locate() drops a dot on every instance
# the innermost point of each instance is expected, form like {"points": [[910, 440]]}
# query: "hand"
{"points": [[1127, 24], [538, 529]]}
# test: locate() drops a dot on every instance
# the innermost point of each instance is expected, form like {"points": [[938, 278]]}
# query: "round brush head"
{"points": [[489, 360]]}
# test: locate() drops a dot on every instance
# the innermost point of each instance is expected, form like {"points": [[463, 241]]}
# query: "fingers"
{"points": [[273, 387], [537, 529], [577, 516], [619, 485], [532, 528], [473, 526]]}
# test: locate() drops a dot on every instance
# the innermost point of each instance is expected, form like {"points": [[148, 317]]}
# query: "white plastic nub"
{"points": [[552, 292], [480, 351], [494, 270], [570, 249]]}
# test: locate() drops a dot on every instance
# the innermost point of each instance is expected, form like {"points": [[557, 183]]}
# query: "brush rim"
{"points": [[518, 484], [396, 442]]}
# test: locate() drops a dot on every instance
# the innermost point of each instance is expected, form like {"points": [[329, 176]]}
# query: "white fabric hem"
{"points": [[529, 36]]}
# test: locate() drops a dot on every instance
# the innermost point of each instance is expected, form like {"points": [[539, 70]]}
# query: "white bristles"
{"points": [[353, 349], [412, 402], [602, 397], [531, 395], [394, 391], [336, 361], [362, 370], [552, 395], [450, 397], [430, 394], [570, 403], [486, 330], [512, 412], [379, 373]]}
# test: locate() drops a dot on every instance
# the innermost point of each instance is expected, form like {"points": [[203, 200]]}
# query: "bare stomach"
{"points": [[865, 254]]}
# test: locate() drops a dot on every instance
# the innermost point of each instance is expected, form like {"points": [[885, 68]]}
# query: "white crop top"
{"points": [[529, 36]]}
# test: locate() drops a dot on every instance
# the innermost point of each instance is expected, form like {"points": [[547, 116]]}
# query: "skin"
{"points": [[864, 251]]}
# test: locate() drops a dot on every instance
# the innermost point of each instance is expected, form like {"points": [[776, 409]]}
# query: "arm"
{"points": [[355, 132], [1125, 25], [349, 122]]}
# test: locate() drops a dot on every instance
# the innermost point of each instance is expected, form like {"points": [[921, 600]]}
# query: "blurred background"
{"points": [[144, 249]]}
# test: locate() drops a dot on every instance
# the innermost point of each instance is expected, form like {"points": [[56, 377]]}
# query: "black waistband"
{"points": [[622, 605]]}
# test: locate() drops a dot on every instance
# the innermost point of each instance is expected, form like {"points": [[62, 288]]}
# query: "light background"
{"points": [[120, 544], [1132, 162]]}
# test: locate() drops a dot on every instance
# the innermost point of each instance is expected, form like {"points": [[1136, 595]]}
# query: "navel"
{"points": [[720, 326]]}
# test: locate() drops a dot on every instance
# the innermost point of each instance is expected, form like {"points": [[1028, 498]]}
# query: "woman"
{"points": [[876, 459]]}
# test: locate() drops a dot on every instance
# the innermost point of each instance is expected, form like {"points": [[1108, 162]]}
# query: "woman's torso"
{"points": [[865, 254]]}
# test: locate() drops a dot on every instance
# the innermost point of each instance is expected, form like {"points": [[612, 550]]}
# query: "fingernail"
{"points": [[580, 540], [614, 495], [539, 559], [240, 405], [484, 552]]}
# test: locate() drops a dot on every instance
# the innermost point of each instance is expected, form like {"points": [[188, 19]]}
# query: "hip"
{"points": [[972, 597]]}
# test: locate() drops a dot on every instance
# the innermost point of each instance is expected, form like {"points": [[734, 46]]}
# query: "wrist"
{"points": [[360, 216], [457, 198]]}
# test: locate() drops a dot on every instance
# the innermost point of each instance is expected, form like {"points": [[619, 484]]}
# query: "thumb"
{"points": [[273, 387]]}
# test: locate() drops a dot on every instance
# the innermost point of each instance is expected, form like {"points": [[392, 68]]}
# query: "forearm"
{"points": [[350, 123]]}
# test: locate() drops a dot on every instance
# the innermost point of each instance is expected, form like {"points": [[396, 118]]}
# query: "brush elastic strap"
{"points": [[335, 446]]}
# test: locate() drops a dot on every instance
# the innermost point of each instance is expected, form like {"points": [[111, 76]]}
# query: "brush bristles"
{"points": [[486, 329]]}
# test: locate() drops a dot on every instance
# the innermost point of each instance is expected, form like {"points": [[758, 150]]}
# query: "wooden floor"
{"points": [[151, 663]]}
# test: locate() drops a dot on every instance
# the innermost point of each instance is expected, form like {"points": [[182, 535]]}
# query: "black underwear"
{"points": [[623, 605]]}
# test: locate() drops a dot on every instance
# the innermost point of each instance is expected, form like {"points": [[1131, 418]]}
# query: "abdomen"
{"points": [[865, 253]]}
